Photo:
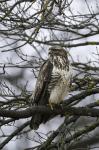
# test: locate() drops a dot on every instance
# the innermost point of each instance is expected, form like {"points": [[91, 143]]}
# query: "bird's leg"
{"points": [[51, 105]]}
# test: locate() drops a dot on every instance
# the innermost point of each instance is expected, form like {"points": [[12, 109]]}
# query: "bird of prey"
{"points": [[52, 84]]}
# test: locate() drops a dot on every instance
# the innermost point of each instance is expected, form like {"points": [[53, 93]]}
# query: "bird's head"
{"points": [[57, 51], [59, 57]]}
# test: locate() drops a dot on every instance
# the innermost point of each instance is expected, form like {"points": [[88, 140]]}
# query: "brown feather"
{"points": [[52, 84], [41, 95]]}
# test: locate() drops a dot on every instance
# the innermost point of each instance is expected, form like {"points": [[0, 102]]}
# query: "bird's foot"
{"points": [[51, 105]]}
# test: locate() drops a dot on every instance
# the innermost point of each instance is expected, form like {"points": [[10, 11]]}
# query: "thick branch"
{"points": [[80, 111]]}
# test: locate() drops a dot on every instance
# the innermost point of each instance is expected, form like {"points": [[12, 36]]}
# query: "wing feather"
{"points": [[41, 94]]}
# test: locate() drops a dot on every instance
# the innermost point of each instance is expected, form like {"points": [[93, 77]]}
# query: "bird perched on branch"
{"points": [[52, 84]]}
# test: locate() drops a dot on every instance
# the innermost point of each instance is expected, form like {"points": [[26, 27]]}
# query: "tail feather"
{"points": [[35, 121]]}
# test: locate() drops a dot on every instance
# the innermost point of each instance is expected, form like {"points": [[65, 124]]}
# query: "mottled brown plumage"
{"points": [[52, 84]]}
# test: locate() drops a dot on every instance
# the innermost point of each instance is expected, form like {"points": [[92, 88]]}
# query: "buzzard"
{"points": [[52, 84]]}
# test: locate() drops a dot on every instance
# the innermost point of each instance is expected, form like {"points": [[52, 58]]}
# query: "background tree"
{"points": [[27, 29]]}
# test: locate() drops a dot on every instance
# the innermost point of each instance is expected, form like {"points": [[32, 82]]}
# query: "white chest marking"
{"points": [[62, 87]]}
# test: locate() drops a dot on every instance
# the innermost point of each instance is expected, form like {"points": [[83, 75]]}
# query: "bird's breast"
{"points": [[61, 88]]}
